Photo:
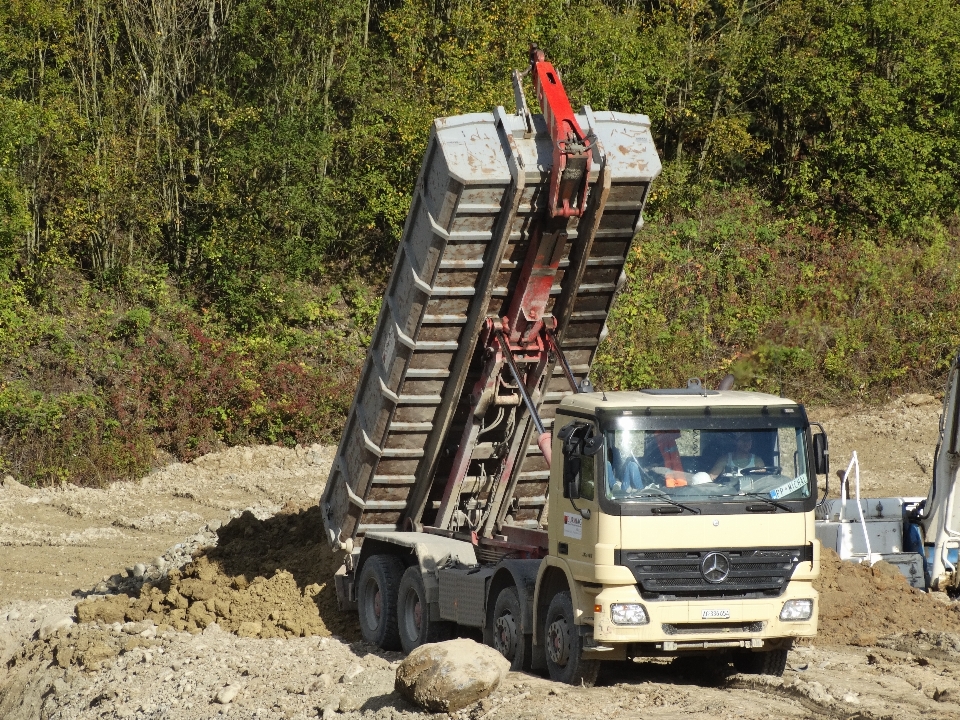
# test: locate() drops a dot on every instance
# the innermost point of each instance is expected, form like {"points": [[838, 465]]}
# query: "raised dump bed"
{"points": [[482, 186]]}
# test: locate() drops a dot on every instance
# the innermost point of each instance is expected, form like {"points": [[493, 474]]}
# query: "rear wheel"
{"points": [[768, 662], [564, 645], [413, 613], [377, 601], [508, 638]]}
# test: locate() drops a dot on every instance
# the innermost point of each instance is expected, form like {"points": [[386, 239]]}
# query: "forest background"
{"points": [[200, 201]]}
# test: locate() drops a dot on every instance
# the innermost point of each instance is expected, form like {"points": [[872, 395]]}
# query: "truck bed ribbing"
{"points": [[480, 202]]}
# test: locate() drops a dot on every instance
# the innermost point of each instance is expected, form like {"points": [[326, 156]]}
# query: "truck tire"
{"points": [[768, 662], [377, 600], [564, 645], [413, 613], [508, 639]]}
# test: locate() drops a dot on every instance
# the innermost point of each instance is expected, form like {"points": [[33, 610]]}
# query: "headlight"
{"points": [[628, 614], [797, 610]]}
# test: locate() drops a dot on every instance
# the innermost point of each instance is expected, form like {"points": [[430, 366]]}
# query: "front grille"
{"points": [[676, 573], [694, 628], [759, 582]]}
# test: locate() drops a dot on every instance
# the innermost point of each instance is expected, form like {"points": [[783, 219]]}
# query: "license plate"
{"points": [[715, 614]]}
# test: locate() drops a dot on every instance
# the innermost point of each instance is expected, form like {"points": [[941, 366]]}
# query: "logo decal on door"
{"points": [[573, 526]]}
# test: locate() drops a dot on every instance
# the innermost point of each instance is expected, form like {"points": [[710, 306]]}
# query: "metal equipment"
{"points": [[511, 257], [921, 536]]}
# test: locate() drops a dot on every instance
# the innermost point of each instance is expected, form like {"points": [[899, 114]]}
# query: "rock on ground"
{"points": [[447, 676]]}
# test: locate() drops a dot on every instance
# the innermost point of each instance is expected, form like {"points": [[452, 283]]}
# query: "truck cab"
{"points": [[681, 521]]}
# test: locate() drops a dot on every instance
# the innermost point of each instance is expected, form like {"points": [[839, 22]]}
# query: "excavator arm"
{"points": [[940, 515]]}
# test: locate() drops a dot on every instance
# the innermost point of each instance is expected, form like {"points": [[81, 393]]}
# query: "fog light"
{"points": [[797, 610], [628, 614]]}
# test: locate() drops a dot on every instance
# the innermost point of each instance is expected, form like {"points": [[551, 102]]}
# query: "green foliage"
{"points": [[69, 436], [200, 202], [813, 313], [133, 325], [111, 385]]}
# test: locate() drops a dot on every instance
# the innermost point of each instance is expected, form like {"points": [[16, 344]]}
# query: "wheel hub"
{"points": [[558, 641], [505, 634], [377, 603], [417, 615]]}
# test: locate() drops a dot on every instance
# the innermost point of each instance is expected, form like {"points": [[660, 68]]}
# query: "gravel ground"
{"points": [[91, 542]]}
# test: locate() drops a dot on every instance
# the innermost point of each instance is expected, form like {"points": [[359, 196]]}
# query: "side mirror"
{"points": [[592, 445], [821, 454], [577, 444]]}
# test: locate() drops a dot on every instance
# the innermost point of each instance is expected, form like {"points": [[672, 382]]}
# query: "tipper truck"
{"points": [[482, 485]]}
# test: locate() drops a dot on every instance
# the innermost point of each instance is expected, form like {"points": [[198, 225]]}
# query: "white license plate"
{"points": [[715, 614]]}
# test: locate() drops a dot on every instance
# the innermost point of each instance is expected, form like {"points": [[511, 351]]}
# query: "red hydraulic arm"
{"points": [[571, 146], [517, 349]]}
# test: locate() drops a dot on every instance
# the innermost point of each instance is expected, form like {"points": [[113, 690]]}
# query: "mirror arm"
{"points": [[584, 512]]}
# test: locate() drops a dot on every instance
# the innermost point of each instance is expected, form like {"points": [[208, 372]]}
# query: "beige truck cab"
{"points": [[682, 521]]}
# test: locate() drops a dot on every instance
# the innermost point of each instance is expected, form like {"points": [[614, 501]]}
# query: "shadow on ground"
{"points": [[696, 671]]}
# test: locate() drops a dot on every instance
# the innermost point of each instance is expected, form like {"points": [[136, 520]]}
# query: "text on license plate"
{"points": [[715, 614]]}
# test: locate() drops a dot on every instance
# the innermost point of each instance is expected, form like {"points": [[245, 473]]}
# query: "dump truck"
{"points": [[483, 486]]}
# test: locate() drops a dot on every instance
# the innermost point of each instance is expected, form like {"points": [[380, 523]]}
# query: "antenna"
{"points": [[586, 382]]}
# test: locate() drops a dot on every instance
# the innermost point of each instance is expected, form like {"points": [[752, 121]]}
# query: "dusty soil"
{"points": [[266, 578], [894, 444], [228, 607], [860, 604], [57, 539]]}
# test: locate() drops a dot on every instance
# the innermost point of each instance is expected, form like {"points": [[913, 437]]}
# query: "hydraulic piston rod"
{"points": [[543, 437]]}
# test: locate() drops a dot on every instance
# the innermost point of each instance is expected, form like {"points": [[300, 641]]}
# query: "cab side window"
{"points": [[588, 476]]}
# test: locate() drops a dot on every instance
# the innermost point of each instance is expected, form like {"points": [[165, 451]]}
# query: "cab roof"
{"points": [[671, 398]]}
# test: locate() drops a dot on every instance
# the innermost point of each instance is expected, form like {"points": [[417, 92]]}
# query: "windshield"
{"points": [[690, 464]]}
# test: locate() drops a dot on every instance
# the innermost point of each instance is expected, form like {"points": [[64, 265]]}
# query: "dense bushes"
{"points": [[200, 200], [99, 393], [824, 314]]}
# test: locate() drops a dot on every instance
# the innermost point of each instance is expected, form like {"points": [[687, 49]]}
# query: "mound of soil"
{"points": [[273, 578], [268, 578], [861, 604]]}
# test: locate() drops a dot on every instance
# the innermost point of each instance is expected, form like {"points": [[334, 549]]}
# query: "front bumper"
{"points": [[681, 624]]}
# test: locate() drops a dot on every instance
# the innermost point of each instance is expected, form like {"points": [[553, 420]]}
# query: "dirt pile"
{"points": [[860, 604], [269, 578], [83, 646], [273, 578]]}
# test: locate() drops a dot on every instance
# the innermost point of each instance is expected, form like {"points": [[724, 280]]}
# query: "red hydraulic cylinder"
{"points": [[571, 146]]}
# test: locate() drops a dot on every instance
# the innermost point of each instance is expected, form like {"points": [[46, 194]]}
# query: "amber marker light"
{"points": [[598, 608]]}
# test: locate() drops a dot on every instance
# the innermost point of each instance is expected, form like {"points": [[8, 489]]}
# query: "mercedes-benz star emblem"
{"points": [[715, 567]]}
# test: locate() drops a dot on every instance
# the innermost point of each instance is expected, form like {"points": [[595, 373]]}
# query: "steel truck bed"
{"points": [[483, 185]]}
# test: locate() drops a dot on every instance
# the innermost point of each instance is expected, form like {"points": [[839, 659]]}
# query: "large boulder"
{"points": [[447, 676]]}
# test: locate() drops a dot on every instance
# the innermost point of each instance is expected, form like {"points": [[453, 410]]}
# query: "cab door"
{"points": [[576, 511]]}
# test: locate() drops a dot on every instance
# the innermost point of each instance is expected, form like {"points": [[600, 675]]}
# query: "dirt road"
{"points": [[270, 645]]}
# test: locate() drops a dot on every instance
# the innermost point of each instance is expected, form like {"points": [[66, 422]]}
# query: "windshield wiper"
{"points": [[765, 498], [666, 498]]}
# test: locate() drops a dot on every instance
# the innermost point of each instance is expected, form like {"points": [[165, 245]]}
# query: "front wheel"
{"points": [[768, 662], [508, 638], [564, 645], [413, 613]]}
